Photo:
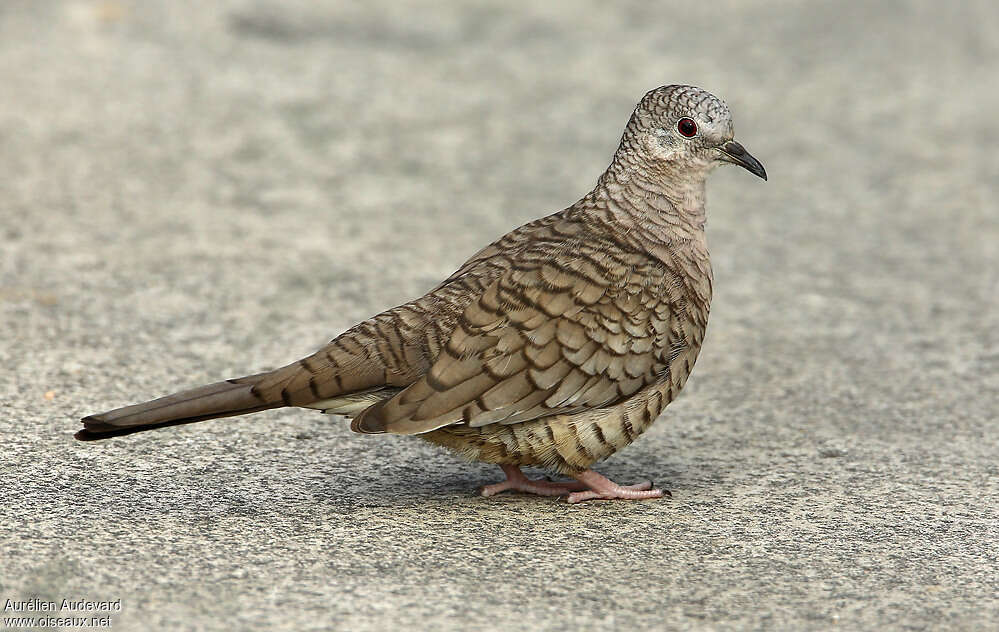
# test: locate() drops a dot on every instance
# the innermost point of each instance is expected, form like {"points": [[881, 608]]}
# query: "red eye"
{"points": [[687, 127]]}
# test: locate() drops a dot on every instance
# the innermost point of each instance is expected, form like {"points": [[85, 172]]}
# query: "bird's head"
{"points": [[683, 130]]}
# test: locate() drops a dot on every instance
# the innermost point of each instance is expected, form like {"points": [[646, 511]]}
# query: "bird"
{"points": [[553, 347]]}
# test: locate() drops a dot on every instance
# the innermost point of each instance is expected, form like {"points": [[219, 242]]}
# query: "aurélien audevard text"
{"points": [[66, 605]]}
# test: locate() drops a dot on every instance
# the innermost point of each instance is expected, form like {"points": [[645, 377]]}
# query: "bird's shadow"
{"points": [[455, 482]]}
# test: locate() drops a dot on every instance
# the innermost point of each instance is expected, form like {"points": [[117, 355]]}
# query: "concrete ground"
{"points": [[192, 191]]}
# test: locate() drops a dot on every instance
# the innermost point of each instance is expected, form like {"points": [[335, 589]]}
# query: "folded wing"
{"points": [[557, 333]]}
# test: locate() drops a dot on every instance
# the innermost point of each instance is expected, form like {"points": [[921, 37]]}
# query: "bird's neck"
{"points": [[664, 206]]}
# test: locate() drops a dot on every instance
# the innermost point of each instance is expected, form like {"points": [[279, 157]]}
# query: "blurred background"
{"points": [[196, 190]]}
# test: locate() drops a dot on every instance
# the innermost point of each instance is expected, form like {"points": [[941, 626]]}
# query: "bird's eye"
{"points": [[687, 127]]}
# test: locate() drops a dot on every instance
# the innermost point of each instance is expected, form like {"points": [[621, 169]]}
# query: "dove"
{"points": [[553, 347]]}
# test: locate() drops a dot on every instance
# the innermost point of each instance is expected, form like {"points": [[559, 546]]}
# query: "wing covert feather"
{"points": [[556, 334]]}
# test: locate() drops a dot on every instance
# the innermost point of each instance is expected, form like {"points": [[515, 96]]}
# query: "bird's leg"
{"points": [[516, 481], [602, 488]]}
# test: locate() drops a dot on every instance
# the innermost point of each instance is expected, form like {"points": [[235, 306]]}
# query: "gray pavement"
{"points": [[192, 191]]}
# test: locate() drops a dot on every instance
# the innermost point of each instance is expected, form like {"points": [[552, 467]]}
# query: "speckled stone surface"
{"points": [[192, 191]]}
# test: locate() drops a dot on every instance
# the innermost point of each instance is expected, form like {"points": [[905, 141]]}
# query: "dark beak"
{"points": [[736, 154]]}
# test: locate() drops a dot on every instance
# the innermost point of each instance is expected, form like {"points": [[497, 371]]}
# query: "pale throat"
{"points": [[690, 199], [675, 191]]}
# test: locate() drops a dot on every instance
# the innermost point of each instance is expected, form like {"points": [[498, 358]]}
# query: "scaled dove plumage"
{"points": [[555, 346]]}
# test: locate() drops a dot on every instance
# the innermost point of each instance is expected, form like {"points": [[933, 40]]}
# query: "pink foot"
{"points": [[516, 481], [602, 488]]}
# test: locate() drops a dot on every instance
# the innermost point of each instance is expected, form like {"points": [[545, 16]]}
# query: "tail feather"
{"points": [[222, 399]]}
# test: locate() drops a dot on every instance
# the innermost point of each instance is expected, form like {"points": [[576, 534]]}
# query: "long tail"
{"points": [[222, 399]]}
